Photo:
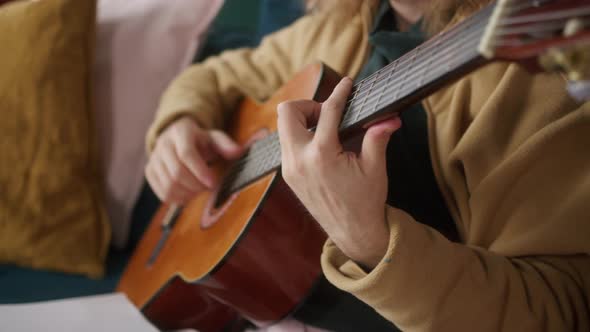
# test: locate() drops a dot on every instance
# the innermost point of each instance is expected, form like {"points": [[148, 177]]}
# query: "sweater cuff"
{"points": [[401, 287], [346, 274]]}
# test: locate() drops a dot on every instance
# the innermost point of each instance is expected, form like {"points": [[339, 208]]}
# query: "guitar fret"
{"points": [[368, 94], [352, 100], [386, 87], [407, 70], [364, 98], [429, 63]]}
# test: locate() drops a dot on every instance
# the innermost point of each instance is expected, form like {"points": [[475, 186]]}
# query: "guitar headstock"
{"points": [[555, 34]]}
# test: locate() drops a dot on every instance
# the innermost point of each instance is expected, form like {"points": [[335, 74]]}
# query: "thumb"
{"points": [[224, 145], [375, 143]]}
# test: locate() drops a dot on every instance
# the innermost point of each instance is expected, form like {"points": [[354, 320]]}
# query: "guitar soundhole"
{"points": [[215, 209], [243, 172], [247, 169]]}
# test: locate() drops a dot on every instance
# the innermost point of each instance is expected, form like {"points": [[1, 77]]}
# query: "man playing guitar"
{"points": [[500, 156]]}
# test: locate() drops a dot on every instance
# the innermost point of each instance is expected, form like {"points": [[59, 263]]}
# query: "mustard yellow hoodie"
{"points": [[511, 155]]}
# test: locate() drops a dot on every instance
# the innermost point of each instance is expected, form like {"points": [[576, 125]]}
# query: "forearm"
{"points": [[210, 92], [427, 283]]}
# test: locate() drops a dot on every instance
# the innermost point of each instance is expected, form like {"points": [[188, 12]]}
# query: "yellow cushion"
{"points": [[51, 209]]}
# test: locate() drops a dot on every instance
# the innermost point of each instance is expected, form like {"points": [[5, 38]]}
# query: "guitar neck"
{"points": [[418, 73], [390, 90]]}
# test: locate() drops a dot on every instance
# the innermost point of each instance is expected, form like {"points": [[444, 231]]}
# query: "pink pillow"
{"points": [[142, 46]]}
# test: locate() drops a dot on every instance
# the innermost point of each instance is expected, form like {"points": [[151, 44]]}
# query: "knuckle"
{"points": [[321, 147], [185, 152], [161, 143], [317, 158], [186, 133], [176, 173], [333, 105], [285, 106], [316, 154], [214, 136], [281, 107], [293, 170], [328, 104], [216, 133]]}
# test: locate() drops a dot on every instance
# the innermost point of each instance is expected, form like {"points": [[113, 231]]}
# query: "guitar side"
{"points": [[260, 257]]}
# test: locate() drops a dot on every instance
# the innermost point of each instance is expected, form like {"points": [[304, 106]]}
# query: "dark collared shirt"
{"points": [[412, 184]]}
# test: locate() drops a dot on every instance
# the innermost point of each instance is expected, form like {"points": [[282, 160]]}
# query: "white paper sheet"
{"points": [[102, 313]]}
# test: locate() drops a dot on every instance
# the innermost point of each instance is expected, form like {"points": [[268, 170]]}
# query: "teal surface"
{"points": [[20, 285]]}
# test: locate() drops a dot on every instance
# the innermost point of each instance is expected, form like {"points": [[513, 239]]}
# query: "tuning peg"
{"points": [[575, 60], [575, 63], [579, 90]]}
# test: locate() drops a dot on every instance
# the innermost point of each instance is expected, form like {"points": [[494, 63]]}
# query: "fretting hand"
{"points": [[344, 192]]}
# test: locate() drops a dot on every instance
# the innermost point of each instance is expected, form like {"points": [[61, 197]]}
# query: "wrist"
{"points": [[371, 257], [367, 252]]}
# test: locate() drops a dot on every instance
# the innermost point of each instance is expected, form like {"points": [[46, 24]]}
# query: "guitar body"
{"points": [[256, 256]]}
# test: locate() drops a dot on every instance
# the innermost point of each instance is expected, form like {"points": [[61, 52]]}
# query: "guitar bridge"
{"points": [[167, 226]]}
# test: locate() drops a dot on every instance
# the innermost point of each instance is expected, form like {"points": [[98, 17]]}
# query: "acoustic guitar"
{"points": [[249, 249]]}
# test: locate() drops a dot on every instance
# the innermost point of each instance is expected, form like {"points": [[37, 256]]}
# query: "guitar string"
{"points": [[440, 60], [255, 154], [272, 146], [496, 35], [396, 89], [421, 67], [416, 69], [418, 72], [263, 168], [529, 4], [542, 27], [428, 45], [556, 15], [363, 85], [502, 32], [255, 151]]}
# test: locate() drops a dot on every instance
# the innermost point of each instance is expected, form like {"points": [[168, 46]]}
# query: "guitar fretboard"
{"points": [[389, 90]]}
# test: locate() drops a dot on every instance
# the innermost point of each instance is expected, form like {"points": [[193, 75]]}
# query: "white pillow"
{"points": [[141, 46]]}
